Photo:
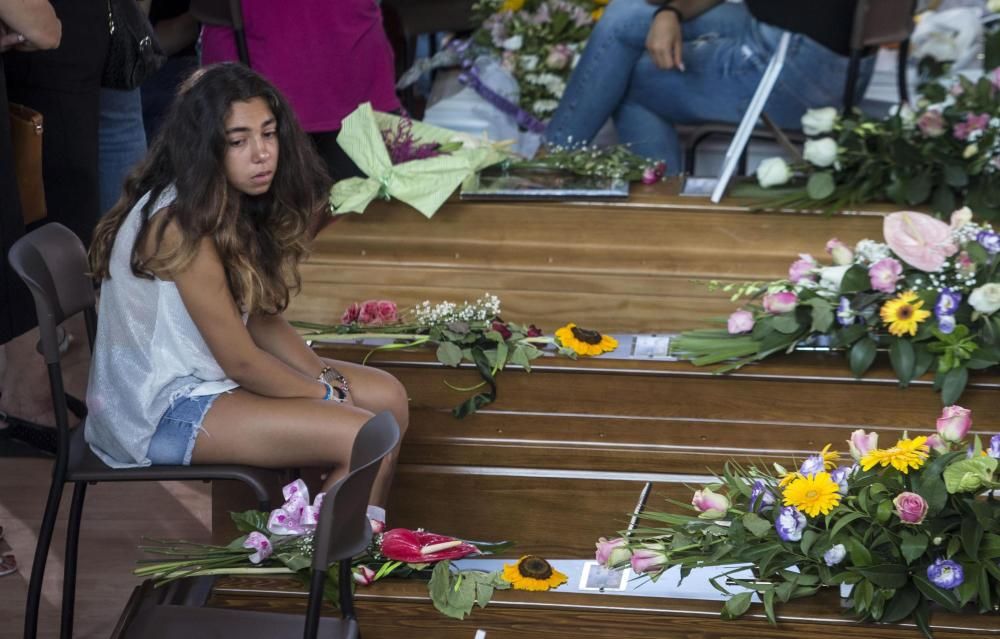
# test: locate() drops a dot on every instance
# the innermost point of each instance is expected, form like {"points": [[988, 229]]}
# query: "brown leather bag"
{"points": [[26, 134]]}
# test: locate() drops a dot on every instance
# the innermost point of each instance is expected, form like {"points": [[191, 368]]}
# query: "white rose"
{"points": [[830, 277], [986, 298], [513, 43], [962, 216], [821, 152], [906, 115], [773, 172], [819, 121]]}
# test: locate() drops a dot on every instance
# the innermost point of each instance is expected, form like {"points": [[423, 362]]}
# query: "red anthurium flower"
{"points": [[421, 547]]}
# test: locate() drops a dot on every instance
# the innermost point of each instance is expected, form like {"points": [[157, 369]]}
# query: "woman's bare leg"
{"points": [[375, 390]]}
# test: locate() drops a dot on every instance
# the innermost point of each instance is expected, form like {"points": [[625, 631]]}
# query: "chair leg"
{"points": [[41, 556], [69, 568]]}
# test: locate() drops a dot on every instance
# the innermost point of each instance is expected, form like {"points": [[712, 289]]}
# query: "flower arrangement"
{"points": [[281, 542], [615, 161], [474, 333], [929, 294], [416, 163], [944, 154], [904, 525], [538, 42]]}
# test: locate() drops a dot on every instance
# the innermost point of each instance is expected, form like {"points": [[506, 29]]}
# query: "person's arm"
{"points": [[665, 40], [177, 34], [205, 292], [273, 333], [30, 25]]}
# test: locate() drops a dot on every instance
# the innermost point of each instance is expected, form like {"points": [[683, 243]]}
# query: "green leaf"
{"points": [[912, 545], [249, 521], [757, 525], [785, 323], [883, 575], [736, 605], [901, 605], [918, 190], [855, 280], [944, 597], [822, 314], [843, 521], [860, 556], [972, 535], [884, 511], [809, 538], [953, 385], [768, 598], [955, 175], [449, 354], [294, 560], [862, 355], [820, 185], [903, 360]]}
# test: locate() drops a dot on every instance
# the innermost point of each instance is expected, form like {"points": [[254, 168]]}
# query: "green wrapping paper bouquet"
{"points": [[415, 163]]}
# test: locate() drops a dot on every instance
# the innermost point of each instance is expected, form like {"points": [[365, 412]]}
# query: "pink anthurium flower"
{"points": [[421, 547], [261, 544], [918, 239]]}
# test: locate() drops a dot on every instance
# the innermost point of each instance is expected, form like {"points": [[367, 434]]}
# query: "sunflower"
{"points": [[532, 573], [585, 342], [814, 495], [905, 455], [903, 313]]}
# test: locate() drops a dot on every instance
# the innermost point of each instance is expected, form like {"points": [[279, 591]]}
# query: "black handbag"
{"points": [[133, 52]]}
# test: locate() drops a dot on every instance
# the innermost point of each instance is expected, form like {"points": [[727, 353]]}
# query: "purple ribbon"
{"points": [[470, 77]]}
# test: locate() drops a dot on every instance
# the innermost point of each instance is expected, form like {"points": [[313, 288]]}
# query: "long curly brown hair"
{"points": [[260, 239]]}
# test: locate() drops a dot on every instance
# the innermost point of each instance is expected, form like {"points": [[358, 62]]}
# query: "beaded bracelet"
{"points": [[341, 390]]}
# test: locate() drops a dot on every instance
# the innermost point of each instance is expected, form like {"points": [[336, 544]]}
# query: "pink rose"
{"points": [[611, 552], [780, 302], [910, 507], [377, 313], [884, 274], [802, 269], [918, 239], [387, 312], [647, 560], [649, 175], [710, 505], [840, 252], [939, 445], [740, 322], [954, 423], [862, 443], [351, 314], [931, 123]]}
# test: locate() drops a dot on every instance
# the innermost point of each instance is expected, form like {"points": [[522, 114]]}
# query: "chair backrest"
{"points": [[223, 13], [880, 22], [53, 264], [343, 530]]}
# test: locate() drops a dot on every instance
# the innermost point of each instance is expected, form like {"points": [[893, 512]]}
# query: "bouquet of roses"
{"points": [[944, 154], [473, 333], [905, 525], [929, 294], [538, 42]]}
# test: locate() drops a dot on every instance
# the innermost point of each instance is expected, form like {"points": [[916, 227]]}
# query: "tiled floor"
{"points": [[116, 516]]}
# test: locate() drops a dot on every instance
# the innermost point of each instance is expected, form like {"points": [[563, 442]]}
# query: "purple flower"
{"points": [[802, 269], [946, 574], [835, 555], [884, 274], [946, 324], [740, 322], [845, 314], [790, 524], [840, 476], [994, 449], [812, 465], [947, 302], [761, 497], [990, 240]]}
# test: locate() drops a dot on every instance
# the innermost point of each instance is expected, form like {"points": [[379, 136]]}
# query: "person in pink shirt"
{"points": [[326, 57]]}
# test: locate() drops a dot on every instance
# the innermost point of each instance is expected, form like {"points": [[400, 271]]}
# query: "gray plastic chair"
{"points": [[178, 611], [53, 263]]}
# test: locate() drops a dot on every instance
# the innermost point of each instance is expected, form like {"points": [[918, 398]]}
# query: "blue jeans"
{"points": [[121, 139], [175, 436], [725, 52]]}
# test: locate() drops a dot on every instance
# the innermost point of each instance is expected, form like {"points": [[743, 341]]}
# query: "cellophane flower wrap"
{"points": [[280, 542], [906, 524], [928, 294], [424, 184]]}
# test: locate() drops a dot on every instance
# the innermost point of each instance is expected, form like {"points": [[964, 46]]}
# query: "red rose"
{"points": [[534, 331], [501, 328]]}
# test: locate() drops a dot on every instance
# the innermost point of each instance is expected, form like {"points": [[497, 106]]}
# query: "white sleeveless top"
{"points": [[148, 354]]}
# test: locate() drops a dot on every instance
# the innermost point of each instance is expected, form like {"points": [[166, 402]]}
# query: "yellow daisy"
{"points": [[905, 455], [597, 13], [788, 478], [532, 573], [830, 457], [512, 5], [814, 495], [585, 342], [903, 313]]}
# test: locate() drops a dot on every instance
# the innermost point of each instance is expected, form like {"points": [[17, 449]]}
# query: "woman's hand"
{"points": [[665, 42]]}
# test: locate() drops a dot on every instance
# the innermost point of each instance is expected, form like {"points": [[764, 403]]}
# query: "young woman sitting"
{"points": [[194, 363]]}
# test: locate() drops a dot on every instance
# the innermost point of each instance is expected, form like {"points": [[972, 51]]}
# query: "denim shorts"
{"points": [[173, 441]]}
